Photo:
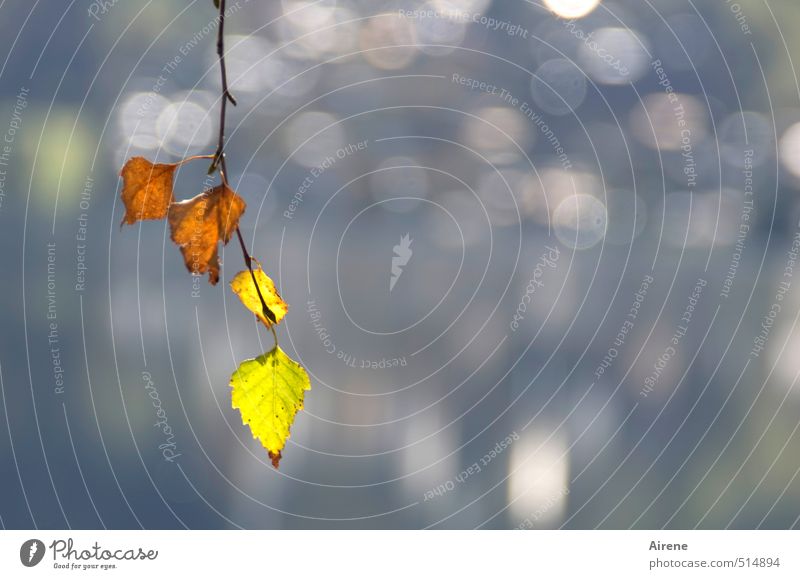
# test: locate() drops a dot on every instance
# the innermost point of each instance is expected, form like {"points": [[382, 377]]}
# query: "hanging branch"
{"points": [[198, 226], [218, 163]]}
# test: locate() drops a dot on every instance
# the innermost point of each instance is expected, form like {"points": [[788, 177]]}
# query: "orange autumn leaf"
{"points": [[198, 224], [146, 189]]}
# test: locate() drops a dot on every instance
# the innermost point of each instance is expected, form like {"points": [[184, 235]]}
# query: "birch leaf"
{"points": [[269, 391], [242, 284], [198, 224], [146, 189]]}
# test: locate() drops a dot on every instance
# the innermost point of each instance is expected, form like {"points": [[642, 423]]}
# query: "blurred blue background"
{"points": [[595, 323]]}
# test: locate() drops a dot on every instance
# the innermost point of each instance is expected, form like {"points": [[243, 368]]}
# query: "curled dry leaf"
{"points": [[242, 285], [198, 224], [146, 189], [269, 392]]}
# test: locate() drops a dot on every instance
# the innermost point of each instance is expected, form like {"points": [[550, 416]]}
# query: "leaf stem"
{"points": [[274, 334], [194, 158], [218, 162]]}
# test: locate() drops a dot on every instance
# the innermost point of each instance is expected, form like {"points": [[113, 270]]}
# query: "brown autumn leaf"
{"points": [[200, 223], [146, 189]]}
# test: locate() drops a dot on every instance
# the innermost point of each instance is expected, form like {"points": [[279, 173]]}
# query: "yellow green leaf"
{"points": [[242, 284], [269, 391]]}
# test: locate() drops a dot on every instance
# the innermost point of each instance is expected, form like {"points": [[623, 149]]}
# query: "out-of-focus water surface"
{"points": [[541, 260]]}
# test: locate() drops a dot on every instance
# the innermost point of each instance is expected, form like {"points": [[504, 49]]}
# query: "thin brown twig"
{"points": [[219, 161]]}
